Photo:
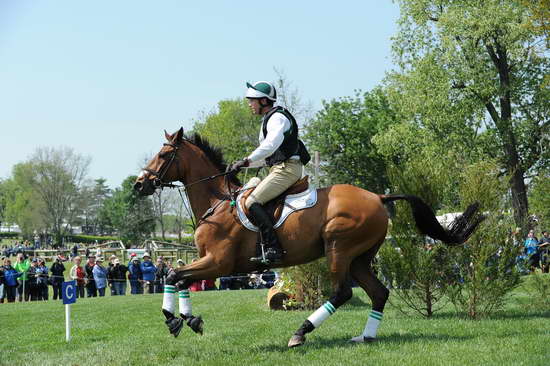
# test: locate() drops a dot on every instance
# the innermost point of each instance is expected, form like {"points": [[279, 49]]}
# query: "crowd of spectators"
{"points": [[536, 252], [29, 278]]}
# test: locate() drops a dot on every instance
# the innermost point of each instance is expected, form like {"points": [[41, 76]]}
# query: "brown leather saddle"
{"points": [[275, 206]]}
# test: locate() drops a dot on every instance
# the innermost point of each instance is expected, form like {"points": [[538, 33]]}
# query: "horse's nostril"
{"points": [[138, 186]]}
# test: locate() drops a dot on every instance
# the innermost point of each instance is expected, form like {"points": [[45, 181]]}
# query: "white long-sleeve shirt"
{"points": [[277, 125]]}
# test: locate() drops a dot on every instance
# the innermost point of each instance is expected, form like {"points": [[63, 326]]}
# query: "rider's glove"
{"points": [[239, 164]]}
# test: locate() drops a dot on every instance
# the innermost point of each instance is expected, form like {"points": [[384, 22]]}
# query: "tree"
{"points": [[100, 193], [539, 199], [471, 75], [3, 199], [232, 127], [130, 214], [342, 132], [58, 175], [160, 203], [289, 97], [539, 17], [92, 196], [180, 221], [23, 205]]}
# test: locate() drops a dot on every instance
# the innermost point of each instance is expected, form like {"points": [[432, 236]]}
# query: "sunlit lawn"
{"points": [[240, 330]]}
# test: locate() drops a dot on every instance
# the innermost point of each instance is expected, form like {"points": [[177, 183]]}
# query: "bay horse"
{"points": [[347, 225]]}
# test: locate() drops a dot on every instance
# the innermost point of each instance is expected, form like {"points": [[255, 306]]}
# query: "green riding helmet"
{"points": [[261, 89]]}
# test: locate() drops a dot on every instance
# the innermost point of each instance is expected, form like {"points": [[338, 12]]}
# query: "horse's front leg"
{"points": [[178, 282]]}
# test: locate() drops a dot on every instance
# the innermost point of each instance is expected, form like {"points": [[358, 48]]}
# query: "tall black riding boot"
{"points": [[273, 253]]}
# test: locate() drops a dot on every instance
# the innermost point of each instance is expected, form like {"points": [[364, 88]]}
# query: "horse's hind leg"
{"points": [[341, 283], [361, 271]]}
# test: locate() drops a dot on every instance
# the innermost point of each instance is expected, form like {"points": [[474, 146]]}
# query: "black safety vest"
{"points": [[291, 145]]}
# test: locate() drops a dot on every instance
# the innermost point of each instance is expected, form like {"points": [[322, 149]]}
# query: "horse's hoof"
{"points": [[196, 324], [362, 339], [296, 341], [174, 326]]}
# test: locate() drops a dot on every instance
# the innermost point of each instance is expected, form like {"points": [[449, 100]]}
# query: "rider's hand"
{"points": [[239, 164]]}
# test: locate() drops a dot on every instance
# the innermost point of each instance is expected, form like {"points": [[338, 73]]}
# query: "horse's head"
{"points": [[163, 168]]}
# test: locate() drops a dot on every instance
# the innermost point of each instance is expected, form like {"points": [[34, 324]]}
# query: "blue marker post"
{"points": [[68, 289]]}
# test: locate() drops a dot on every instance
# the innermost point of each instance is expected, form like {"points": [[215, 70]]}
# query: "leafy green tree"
{"points": [[100, 193], [539, 17], [472, 77], [232, 127], [131, 215], [3, 199], [342, 132], [539, 199], [23, 205]]}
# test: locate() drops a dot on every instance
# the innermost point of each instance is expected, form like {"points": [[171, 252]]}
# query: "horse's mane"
{"points": [[213, 153]]}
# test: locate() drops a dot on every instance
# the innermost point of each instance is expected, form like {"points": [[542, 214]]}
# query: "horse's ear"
{"points": [[178, 135], [168, 136]]}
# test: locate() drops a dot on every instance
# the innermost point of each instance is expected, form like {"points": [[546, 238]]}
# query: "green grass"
{"points": [[240, 330]]}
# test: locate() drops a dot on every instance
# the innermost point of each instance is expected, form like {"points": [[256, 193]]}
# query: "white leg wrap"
{"points": [[168, 302], [375, 317], [185, 302], [321, 314], [373, 322]]}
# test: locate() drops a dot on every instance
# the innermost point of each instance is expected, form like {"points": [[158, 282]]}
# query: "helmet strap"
{"points": [[263, 103]]}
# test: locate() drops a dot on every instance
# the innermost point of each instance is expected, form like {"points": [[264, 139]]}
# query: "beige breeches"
{"points": [[279, 179]]}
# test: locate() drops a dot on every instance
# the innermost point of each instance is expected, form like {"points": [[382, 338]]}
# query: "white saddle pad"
{"points": [[293, 202]]}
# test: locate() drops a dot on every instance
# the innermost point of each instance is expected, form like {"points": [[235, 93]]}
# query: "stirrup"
{"points": [[264, 258]]}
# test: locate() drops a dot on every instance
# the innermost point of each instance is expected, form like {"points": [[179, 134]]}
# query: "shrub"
{"points": [[417, 269], [537, 287], [307, 285], [10, 235], [486, 262], [189, 240], [89, 239]]}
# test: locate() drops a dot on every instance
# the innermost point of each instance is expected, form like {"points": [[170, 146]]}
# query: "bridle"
{"points": [[159, 183]]}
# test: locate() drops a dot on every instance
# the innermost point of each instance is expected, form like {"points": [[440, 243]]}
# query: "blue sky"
{"points": [[107, 77]]}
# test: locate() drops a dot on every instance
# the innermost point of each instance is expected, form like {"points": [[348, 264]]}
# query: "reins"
{"points": [[185, 186], [208, 212]]}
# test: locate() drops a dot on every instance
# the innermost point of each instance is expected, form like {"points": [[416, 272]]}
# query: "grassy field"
{"points": [[240, 330]]}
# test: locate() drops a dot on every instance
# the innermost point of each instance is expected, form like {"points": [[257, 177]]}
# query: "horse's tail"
{"points": [[458, 232]]}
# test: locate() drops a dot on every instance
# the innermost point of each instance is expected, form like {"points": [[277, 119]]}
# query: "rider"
{"points": [[282, 151]]}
